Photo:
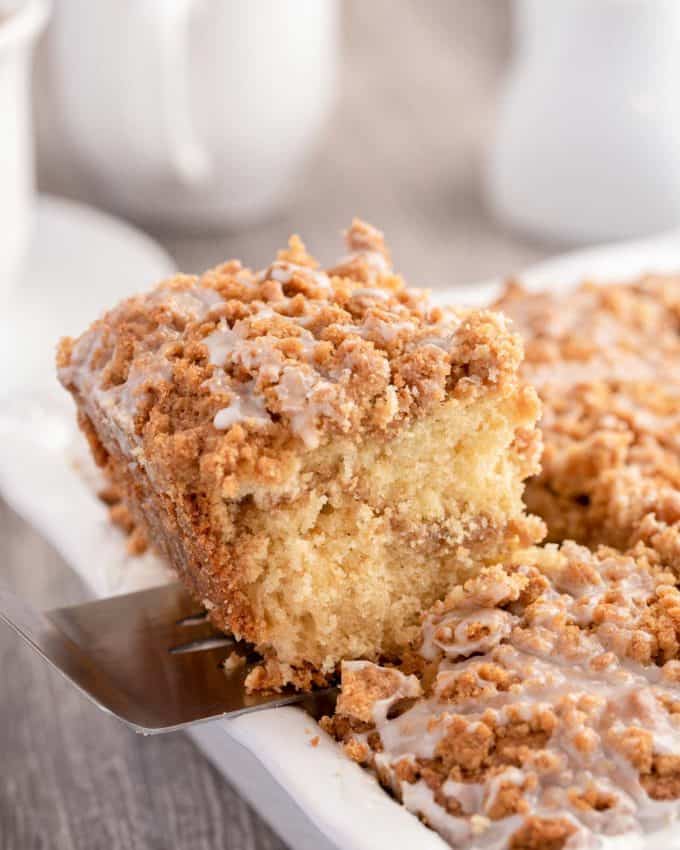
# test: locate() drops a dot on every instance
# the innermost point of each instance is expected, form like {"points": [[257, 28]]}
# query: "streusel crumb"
{"points": [[606, 363], [540, 707]]}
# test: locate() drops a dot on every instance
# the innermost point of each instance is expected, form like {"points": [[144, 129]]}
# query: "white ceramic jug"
{"points": [[588, 140], [21, 21], [192, 113]]}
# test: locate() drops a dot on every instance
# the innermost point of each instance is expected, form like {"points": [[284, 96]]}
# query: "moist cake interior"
{"points": [[385, 527]]}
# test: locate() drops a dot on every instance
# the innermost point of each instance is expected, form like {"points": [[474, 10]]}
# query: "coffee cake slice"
{"points": [[319, 454], [606, 363]]}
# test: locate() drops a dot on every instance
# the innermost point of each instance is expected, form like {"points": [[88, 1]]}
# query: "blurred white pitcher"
{"points": [[192, 113], [20, 24], [588, 140]]}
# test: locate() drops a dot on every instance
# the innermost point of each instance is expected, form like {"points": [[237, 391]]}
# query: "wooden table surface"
{"points": [[417, 88]]}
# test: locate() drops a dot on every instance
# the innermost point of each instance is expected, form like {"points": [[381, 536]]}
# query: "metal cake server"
{"points": [[149, 658]]}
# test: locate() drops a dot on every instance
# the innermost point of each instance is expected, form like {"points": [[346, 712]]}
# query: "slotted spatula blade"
{"points": [[150, 658]]}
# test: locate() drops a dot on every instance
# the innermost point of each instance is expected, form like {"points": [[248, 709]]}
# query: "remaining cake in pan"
{"points": [[540, 709], [606, 362], [319, 454]]}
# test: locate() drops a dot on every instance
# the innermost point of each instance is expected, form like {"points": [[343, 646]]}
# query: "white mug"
{"points": [[587, 147], [20, 24], [192, 113]]}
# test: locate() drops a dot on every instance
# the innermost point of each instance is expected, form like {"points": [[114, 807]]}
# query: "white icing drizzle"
{"points": [[298, 388], [371, 292], [305, 396], [223, 342], [121, 401], [282, 271], [387, 332], [377, 329], [148, 369], [192, 304], [375, 260], [462, 636], [258, 355], [246, 407]]}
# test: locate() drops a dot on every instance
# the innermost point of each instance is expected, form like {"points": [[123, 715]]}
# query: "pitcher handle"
{"points": [[168, 27]]}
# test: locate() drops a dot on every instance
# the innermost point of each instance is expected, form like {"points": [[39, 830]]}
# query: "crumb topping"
{"points": [[293, 352], [606, 363], [540, 707]]}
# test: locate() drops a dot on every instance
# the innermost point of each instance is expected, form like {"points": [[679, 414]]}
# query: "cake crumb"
{"points": [[233, 662]]}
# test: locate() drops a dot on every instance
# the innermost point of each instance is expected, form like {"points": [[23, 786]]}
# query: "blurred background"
{"points": [[402, 143], [480, 135]]}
